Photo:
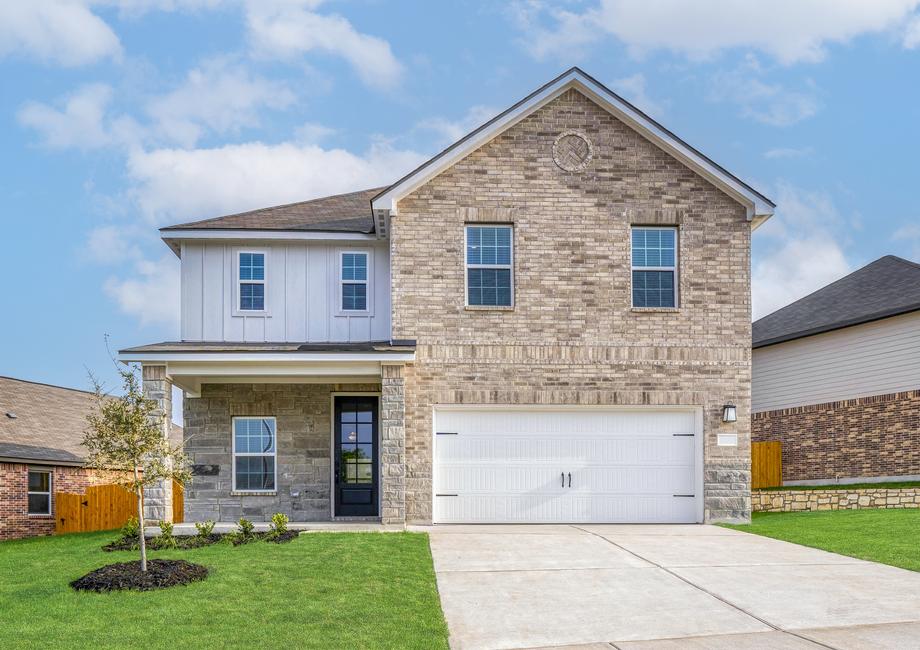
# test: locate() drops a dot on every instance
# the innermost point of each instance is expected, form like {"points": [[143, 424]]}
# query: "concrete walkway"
{"points": [[664, 587]]}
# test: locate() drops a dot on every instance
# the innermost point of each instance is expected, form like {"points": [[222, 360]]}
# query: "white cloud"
{"points": [[151, 294], [177, 185], [759, 100], [911, 235], [111, 244], [79, 123], [64, 32], [633, 88], [568, 38], [788, 152], [452, 130], [912, 33], [289, 28], [217, 96], [798, 251]]}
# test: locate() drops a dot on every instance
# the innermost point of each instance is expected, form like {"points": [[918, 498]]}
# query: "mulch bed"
{"points": [[196, 541], [160, 574]]}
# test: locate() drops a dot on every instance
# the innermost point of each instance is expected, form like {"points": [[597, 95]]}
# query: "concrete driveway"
{"points": [[664, 587]]}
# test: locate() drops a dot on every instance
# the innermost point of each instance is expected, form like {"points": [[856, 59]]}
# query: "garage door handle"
{"points": [[570, 479], [563, 479]]}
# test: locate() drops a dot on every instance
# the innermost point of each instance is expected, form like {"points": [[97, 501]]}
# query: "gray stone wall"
{"points": [[158, 504], [572, 336], [393, 445], [304, 436]]}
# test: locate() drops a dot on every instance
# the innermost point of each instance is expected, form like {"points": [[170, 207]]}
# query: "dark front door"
{"points": [[356, 458]]}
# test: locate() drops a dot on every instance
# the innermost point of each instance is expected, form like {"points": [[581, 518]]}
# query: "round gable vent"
{"points": [[572, 151]]}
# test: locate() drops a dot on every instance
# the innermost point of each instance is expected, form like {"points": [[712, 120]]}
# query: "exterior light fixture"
{"points": [[729, 413]]}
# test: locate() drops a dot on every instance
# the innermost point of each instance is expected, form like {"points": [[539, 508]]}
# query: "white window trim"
{"points": [[237, 252], [50, 492], [234, 454], [467, 266], [674, 269], [340, 310]]}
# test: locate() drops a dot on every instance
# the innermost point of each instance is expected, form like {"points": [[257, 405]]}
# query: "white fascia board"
{"points": [[249, 235], [289, 358], [757, 206]]}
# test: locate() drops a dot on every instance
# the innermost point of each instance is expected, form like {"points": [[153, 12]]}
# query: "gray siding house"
{"points": [[549, 321]]}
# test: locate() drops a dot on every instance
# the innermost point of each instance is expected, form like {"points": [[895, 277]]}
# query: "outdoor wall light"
{"points": [[729, 413]]}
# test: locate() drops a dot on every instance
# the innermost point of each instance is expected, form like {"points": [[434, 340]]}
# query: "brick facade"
{"points": [[572, 336], [15, 521], [859, 438], [303, 415]]}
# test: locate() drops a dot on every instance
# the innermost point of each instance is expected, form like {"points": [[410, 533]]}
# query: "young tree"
{"points": [[125, 437]]}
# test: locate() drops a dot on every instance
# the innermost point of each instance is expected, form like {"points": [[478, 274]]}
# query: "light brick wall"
{"points": [[572, 337], [877, 436], [15, 521]]}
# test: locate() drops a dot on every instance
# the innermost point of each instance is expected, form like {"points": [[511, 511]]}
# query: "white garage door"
{"points": [[576, 465]]}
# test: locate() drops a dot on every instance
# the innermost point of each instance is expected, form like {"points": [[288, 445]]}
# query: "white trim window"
{"points": [[39, 492], [353, 284], [254, 454], [251, 273], [489, 262], [654, 267]]}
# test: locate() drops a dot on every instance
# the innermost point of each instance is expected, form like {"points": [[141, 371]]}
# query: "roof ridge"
{"points": [[42, 383], [902, 260]]}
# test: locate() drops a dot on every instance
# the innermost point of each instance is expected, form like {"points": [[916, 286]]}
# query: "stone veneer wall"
{"points": [[834, 499], [304, 436], [158, 503], [15, 521], [876, 436], [572, 336]]}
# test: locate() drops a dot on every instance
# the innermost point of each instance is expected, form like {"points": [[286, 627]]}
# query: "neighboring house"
{"points": [[836, 378], [41, 452], [542, 323]]}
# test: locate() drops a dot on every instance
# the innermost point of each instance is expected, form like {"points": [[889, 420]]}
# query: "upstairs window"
{"points": [[489, 255], [354, 281], [39, 494], [254, 452], [252, 281], [654, 267]]}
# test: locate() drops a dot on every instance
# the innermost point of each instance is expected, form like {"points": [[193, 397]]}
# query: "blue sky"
{"points": [[120, 116]]}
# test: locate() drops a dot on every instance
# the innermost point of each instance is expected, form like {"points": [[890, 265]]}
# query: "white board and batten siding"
{"points": [[301, 293], [874, 358], [567, 465]]}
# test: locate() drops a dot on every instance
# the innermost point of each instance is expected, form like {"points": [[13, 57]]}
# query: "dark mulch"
{"points": [[196, 541], [160, 574]]}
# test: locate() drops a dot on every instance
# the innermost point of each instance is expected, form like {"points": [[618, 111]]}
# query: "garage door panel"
{"points": [[514, 465]]}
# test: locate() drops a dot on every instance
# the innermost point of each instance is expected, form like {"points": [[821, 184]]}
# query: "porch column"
{"points": [[158, 497], [393, 444]]}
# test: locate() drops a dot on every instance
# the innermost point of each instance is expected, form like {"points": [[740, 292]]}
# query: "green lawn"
{"points": [[323, 590], [842, 486], [888, 536]]}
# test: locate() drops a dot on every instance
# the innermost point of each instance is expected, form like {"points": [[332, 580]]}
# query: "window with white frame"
{"points": [[489, 277], [254, 454], [252, 281], [353, 280], [654, 267], [39, 493]]}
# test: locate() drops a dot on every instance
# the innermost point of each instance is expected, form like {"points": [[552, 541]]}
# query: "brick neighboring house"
{"points": [[41, 430], [836, 378], [543, 323]]}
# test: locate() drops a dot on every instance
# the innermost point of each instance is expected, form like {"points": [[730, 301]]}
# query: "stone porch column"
{"points": [[393, 444], [158, 497]]}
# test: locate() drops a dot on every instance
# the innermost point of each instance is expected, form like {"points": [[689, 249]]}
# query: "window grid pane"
{"points": [[490, 287], [653, 247], [254, 445], [488, 258], [488, 245], [653, 289], [354, 297], [354, 266], [252, 297], [252, 266]]}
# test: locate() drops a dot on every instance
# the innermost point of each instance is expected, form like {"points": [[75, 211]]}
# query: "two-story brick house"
{"points": [[547, 322]]}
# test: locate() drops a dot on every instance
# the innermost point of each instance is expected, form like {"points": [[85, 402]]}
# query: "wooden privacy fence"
{"points": [[178, 501], [766, 464], [102, 507]]}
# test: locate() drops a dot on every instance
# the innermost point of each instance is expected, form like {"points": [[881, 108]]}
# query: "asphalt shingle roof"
{"points": [[49, 422], [340, 213], [886, 287]]}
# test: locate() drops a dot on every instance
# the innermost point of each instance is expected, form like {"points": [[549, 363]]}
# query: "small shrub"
{"points": [[279, 523], [205, 528], [166, 539], [245, 528], [131, 530]]}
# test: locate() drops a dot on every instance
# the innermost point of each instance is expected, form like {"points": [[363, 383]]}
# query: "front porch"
{"points": [[314, 431]]}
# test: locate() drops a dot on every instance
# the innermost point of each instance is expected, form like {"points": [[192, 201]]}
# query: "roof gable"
{"points": [[759, 208], [886, 287]]}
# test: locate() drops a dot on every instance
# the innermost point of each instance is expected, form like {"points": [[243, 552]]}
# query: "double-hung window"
{"points": [[353, 280], [654, 267], [254, 453], [252, 281], [39, 493], [489, 256]]}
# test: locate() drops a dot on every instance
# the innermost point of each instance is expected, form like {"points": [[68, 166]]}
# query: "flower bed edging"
{"points": [[793, 500]]}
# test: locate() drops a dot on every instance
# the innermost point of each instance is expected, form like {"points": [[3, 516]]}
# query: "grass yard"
{"points": [[323, 590], [887, 536], [845, 486]]}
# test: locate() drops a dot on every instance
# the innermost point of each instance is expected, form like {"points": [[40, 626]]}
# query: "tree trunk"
{"points": [[140, 520]]}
